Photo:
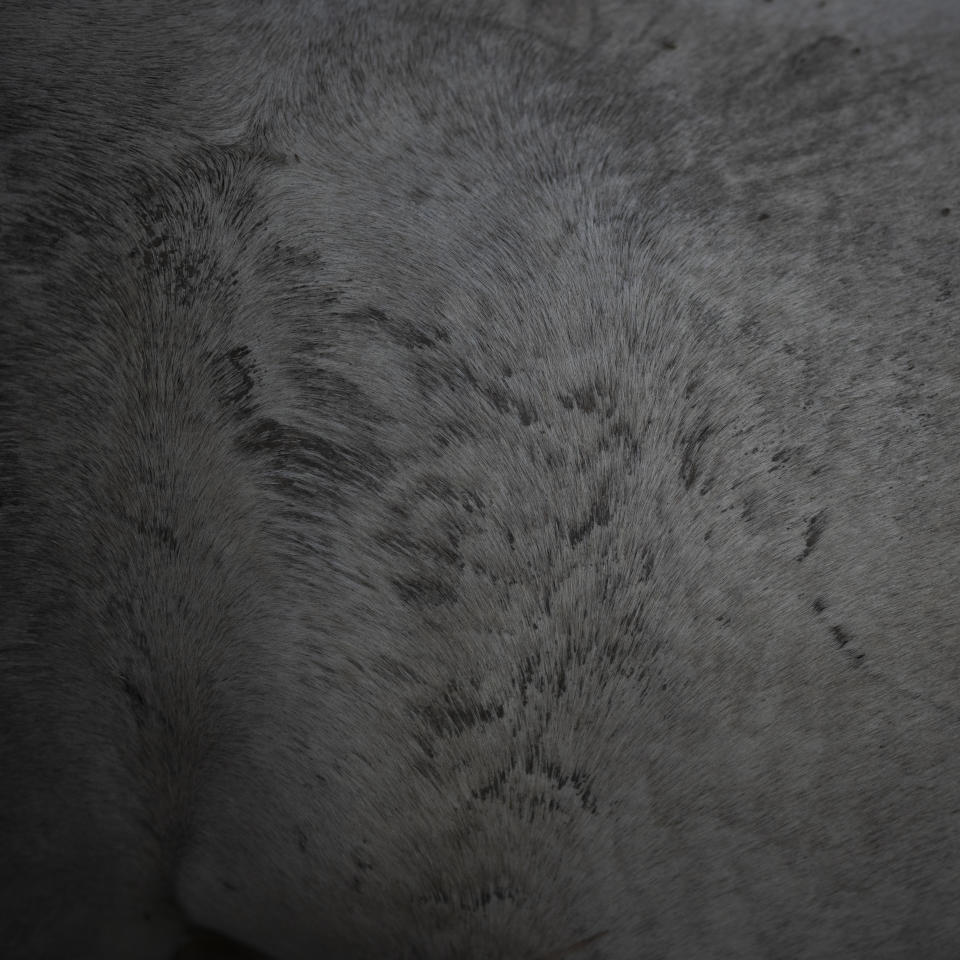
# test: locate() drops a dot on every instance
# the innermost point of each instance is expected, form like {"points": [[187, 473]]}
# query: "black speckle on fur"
{"points": [[138, 704], [692, 446], [840, 636], [305, 464], [458, 709], [302, 840], [817, 56], [590, 398], [815, 527], [498, 398], [404, 332], [599, 516], [424, 591], [155, 531], [236, 380], [526, 414]]}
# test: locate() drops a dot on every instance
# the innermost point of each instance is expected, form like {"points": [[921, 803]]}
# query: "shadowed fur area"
{"points": [[479, 480]]}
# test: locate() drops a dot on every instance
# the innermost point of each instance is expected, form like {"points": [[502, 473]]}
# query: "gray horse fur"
{"points": [[480, 481]]}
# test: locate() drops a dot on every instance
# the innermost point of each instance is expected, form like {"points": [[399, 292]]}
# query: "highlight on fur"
{"points": [[479, 480]]}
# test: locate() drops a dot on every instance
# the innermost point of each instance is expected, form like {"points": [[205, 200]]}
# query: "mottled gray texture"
{"points": [[480, 482]]}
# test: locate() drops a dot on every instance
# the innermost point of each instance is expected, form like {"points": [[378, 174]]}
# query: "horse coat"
{"points": [[479, 480]]}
